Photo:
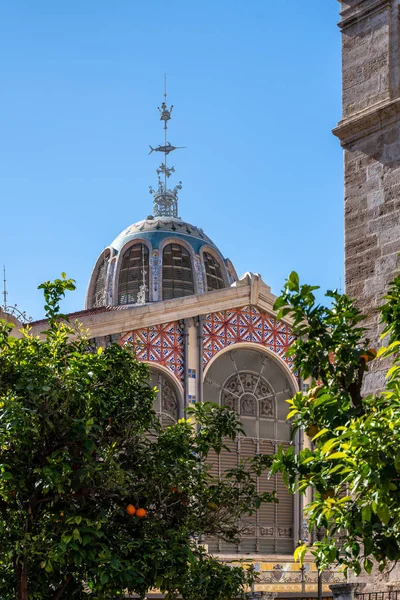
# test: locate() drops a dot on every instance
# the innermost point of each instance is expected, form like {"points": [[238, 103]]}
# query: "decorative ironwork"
{"points": [[143, 289], [165, 203], [249, 394], [169, 401], [19, 314], [13, 311], [100, 288]]}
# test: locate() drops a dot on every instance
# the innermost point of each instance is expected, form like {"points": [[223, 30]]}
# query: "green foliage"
{"points": [[390, 311], [353, 465], [79, 441]]}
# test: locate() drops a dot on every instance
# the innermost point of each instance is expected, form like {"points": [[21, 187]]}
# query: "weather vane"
{"points": [[165, 203]]}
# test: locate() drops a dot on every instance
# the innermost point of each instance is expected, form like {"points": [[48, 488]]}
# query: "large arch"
{"points": [[255, 383], [294, 385]]}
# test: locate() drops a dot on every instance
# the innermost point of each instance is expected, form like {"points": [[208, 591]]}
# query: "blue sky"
{"points": [[256, 88]]}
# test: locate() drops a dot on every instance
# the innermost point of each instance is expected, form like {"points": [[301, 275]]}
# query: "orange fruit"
{"points": [[130, 509], [312, 430], [327, 494], [369, 355], [141, 512]]}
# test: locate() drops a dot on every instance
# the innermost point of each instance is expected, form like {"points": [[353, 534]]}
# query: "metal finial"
{"points": [[165, 202]]}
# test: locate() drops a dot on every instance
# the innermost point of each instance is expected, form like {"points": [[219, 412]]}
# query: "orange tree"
{"points": [[96, 499], [353, 465]]}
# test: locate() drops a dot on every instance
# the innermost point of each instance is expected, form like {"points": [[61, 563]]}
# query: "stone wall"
{"points": [[370, 135]]}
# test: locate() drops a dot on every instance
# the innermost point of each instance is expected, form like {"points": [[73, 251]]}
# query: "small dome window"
{"points": [[100, 291], [215, 280], [133, 275], [177, 272]]}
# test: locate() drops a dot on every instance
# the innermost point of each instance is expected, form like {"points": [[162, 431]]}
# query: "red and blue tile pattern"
{"points": [[245, 324], [160, 344]]}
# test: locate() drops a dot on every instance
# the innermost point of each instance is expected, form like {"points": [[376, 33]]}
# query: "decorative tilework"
{"points": [[192, 385], [289, 577], [246, 324], [199, 275], [155, 264], [161, 344]]}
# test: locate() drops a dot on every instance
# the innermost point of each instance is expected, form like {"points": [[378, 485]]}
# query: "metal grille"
{"points": [[100, 291], [392, 595], [134, 268], [166, 403], [215, 281], [177, 272]]}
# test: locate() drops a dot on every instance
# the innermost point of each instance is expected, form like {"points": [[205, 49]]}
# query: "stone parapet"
{"points": [[346, 591]]}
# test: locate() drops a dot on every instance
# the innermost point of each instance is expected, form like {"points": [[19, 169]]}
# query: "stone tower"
{"points": [[370, 135]]}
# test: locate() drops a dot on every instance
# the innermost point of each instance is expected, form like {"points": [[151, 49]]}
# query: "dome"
{"points": [[161, 257], [155, 229], [158, 258]]}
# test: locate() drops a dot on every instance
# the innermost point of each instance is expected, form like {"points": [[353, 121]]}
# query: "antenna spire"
{"points": [[5, 293], [165, 203]]}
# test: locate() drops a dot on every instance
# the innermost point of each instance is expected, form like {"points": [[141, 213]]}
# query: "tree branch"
{"points": [[62, 589]]}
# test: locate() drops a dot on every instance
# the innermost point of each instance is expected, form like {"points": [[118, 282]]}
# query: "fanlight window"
{"points": [[133, 285], [100, 291], [166, 404], [177, 272], [215, 280], [254, 386]]}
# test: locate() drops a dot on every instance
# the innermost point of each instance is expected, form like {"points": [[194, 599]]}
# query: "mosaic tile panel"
{"points": [[245, 324], [161, 344], [290, 577]]}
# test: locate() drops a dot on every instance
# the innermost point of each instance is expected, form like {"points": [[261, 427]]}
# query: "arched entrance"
{"points": [[254, 384]]}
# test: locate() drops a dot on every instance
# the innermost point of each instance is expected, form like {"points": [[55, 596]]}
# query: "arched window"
{"points": [[177, 272], [166, 404], [100, 291], [133, 284], [253, 385], [215, 280]]}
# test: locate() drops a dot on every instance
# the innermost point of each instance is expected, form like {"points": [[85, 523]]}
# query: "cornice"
{"points": [[367, 122], [360, 11], [252, 290]]}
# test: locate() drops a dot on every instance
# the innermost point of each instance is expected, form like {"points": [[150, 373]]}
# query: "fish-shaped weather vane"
{"points": [[165, 203]]}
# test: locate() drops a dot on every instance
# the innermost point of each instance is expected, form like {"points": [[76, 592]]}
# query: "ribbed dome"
{"points": [[157, 228], [159, 258]]}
